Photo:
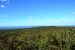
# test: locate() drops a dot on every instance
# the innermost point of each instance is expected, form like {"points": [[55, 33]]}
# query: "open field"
{"points": [[38, 38]]}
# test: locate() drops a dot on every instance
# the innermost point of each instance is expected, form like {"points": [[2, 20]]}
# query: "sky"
{"points": [[37, 12]]}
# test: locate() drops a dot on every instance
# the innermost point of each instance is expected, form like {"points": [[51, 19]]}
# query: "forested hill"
{"points": [[38, 38]]}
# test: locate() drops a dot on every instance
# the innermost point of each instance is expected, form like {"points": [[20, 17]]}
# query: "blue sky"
{"points": [[37, 12]]}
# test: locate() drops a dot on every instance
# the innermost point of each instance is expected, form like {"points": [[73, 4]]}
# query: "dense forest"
{"points": [[38, 38]]}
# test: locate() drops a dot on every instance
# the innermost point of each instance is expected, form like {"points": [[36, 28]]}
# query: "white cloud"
{"points": [[73, 12], [3, 0], [3, 6], [30, 18], [47, 18], [5, 16]]}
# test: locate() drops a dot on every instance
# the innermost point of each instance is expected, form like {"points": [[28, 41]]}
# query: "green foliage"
{"points": [[38, 38]]}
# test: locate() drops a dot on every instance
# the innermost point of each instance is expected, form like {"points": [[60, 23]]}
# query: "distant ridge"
{"points": [[15, 27], [23, 27]]}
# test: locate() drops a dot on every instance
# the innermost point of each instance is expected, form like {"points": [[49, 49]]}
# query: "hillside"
{"points": [[38, 38]]}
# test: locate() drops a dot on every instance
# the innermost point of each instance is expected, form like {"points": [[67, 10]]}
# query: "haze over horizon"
{"points": [[37, 13]]}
